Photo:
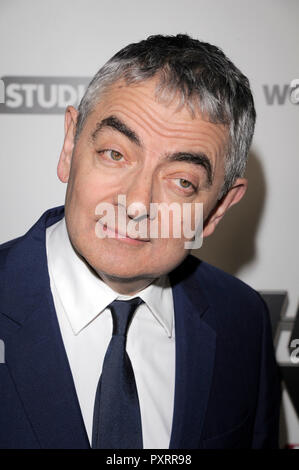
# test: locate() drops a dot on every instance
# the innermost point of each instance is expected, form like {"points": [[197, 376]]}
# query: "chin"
{"points": [[124, 263], [125, 273], [120, 270]]}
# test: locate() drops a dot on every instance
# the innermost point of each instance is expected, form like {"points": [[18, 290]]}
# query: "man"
{"points": [[121, 341]]}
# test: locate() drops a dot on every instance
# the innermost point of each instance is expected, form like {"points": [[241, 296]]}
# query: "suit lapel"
{"points": [[195, 353], [35, 354]]}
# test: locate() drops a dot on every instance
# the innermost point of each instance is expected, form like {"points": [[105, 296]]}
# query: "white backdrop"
{"points": [[257, 241]]}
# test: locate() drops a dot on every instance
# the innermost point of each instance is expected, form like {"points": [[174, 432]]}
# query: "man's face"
{"points": [[135, 146]]}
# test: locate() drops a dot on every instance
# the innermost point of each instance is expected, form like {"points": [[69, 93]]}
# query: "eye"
{"points": [[111, 154], [182, 183], [114, 155], [185, 183]]}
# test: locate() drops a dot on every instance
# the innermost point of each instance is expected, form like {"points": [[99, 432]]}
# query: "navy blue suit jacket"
{"points": [[227, 390]]}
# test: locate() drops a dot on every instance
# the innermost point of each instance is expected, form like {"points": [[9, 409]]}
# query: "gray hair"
{"points": [[202, 76]]}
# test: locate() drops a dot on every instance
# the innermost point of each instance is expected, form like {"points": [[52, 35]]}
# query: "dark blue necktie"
{"points": [[116, 418]]}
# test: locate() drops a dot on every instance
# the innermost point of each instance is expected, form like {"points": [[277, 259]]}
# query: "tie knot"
{"points": [[122, 313]]}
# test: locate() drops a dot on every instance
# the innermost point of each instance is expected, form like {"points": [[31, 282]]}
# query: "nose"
{"points": [[139, 195]]}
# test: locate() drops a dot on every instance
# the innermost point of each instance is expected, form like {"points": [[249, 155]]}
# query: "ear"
{"points": [[233, 196], [64, 164]]}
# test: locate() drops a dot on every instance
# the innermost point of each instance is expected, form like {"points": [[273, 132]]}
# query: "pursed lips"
{"points": [[122, 237]]}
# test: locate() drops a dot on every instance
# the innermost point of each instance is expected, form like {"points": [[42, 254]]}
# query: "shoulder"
{"points": [[5, 249], [214, 279], [230, 299], [12, 251]]}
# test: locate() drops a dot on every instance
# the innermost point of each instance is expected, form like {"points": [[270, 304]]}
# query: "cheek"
{"points": [[87, 189], [171, 253], [209, 202]]}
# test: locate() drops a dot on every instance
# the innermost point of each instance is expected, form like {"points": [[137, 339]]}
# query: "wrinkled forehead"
{"points": [[170, 89], [148, 97]]}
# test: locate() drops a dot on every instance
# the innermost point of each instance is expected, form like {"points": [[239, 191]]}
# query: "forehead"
{"points": [[149, 115]]}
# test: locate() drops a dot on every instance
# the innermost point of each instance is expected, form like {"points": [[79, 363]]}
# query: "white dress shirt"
{"points": [[81, 299]]}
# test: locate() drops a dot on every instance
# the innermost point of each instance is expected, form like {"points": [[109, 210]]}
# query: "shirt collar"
{"points": [[158, 298], [84, 295]]}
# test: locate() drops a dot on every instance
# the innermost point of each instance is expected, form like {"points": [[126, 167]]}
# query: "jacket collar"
{"points": [[195, 355], [27, 269]]}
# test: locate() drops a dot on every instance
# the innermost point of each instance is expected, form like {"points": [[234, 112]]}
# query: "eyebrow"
{"points": [[197, 158], [117, 124]]}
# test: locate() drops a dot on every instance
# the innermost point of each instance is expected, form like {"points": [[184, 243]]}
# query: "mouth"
{"points": [[125, 238]]}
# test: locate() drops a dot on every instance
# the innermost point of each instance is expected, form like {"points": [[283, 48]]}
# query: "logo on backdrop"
{"points": [[281, 94], [51, 95], [285, 331], [2, 91], [40, 95], [2, 352]]}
